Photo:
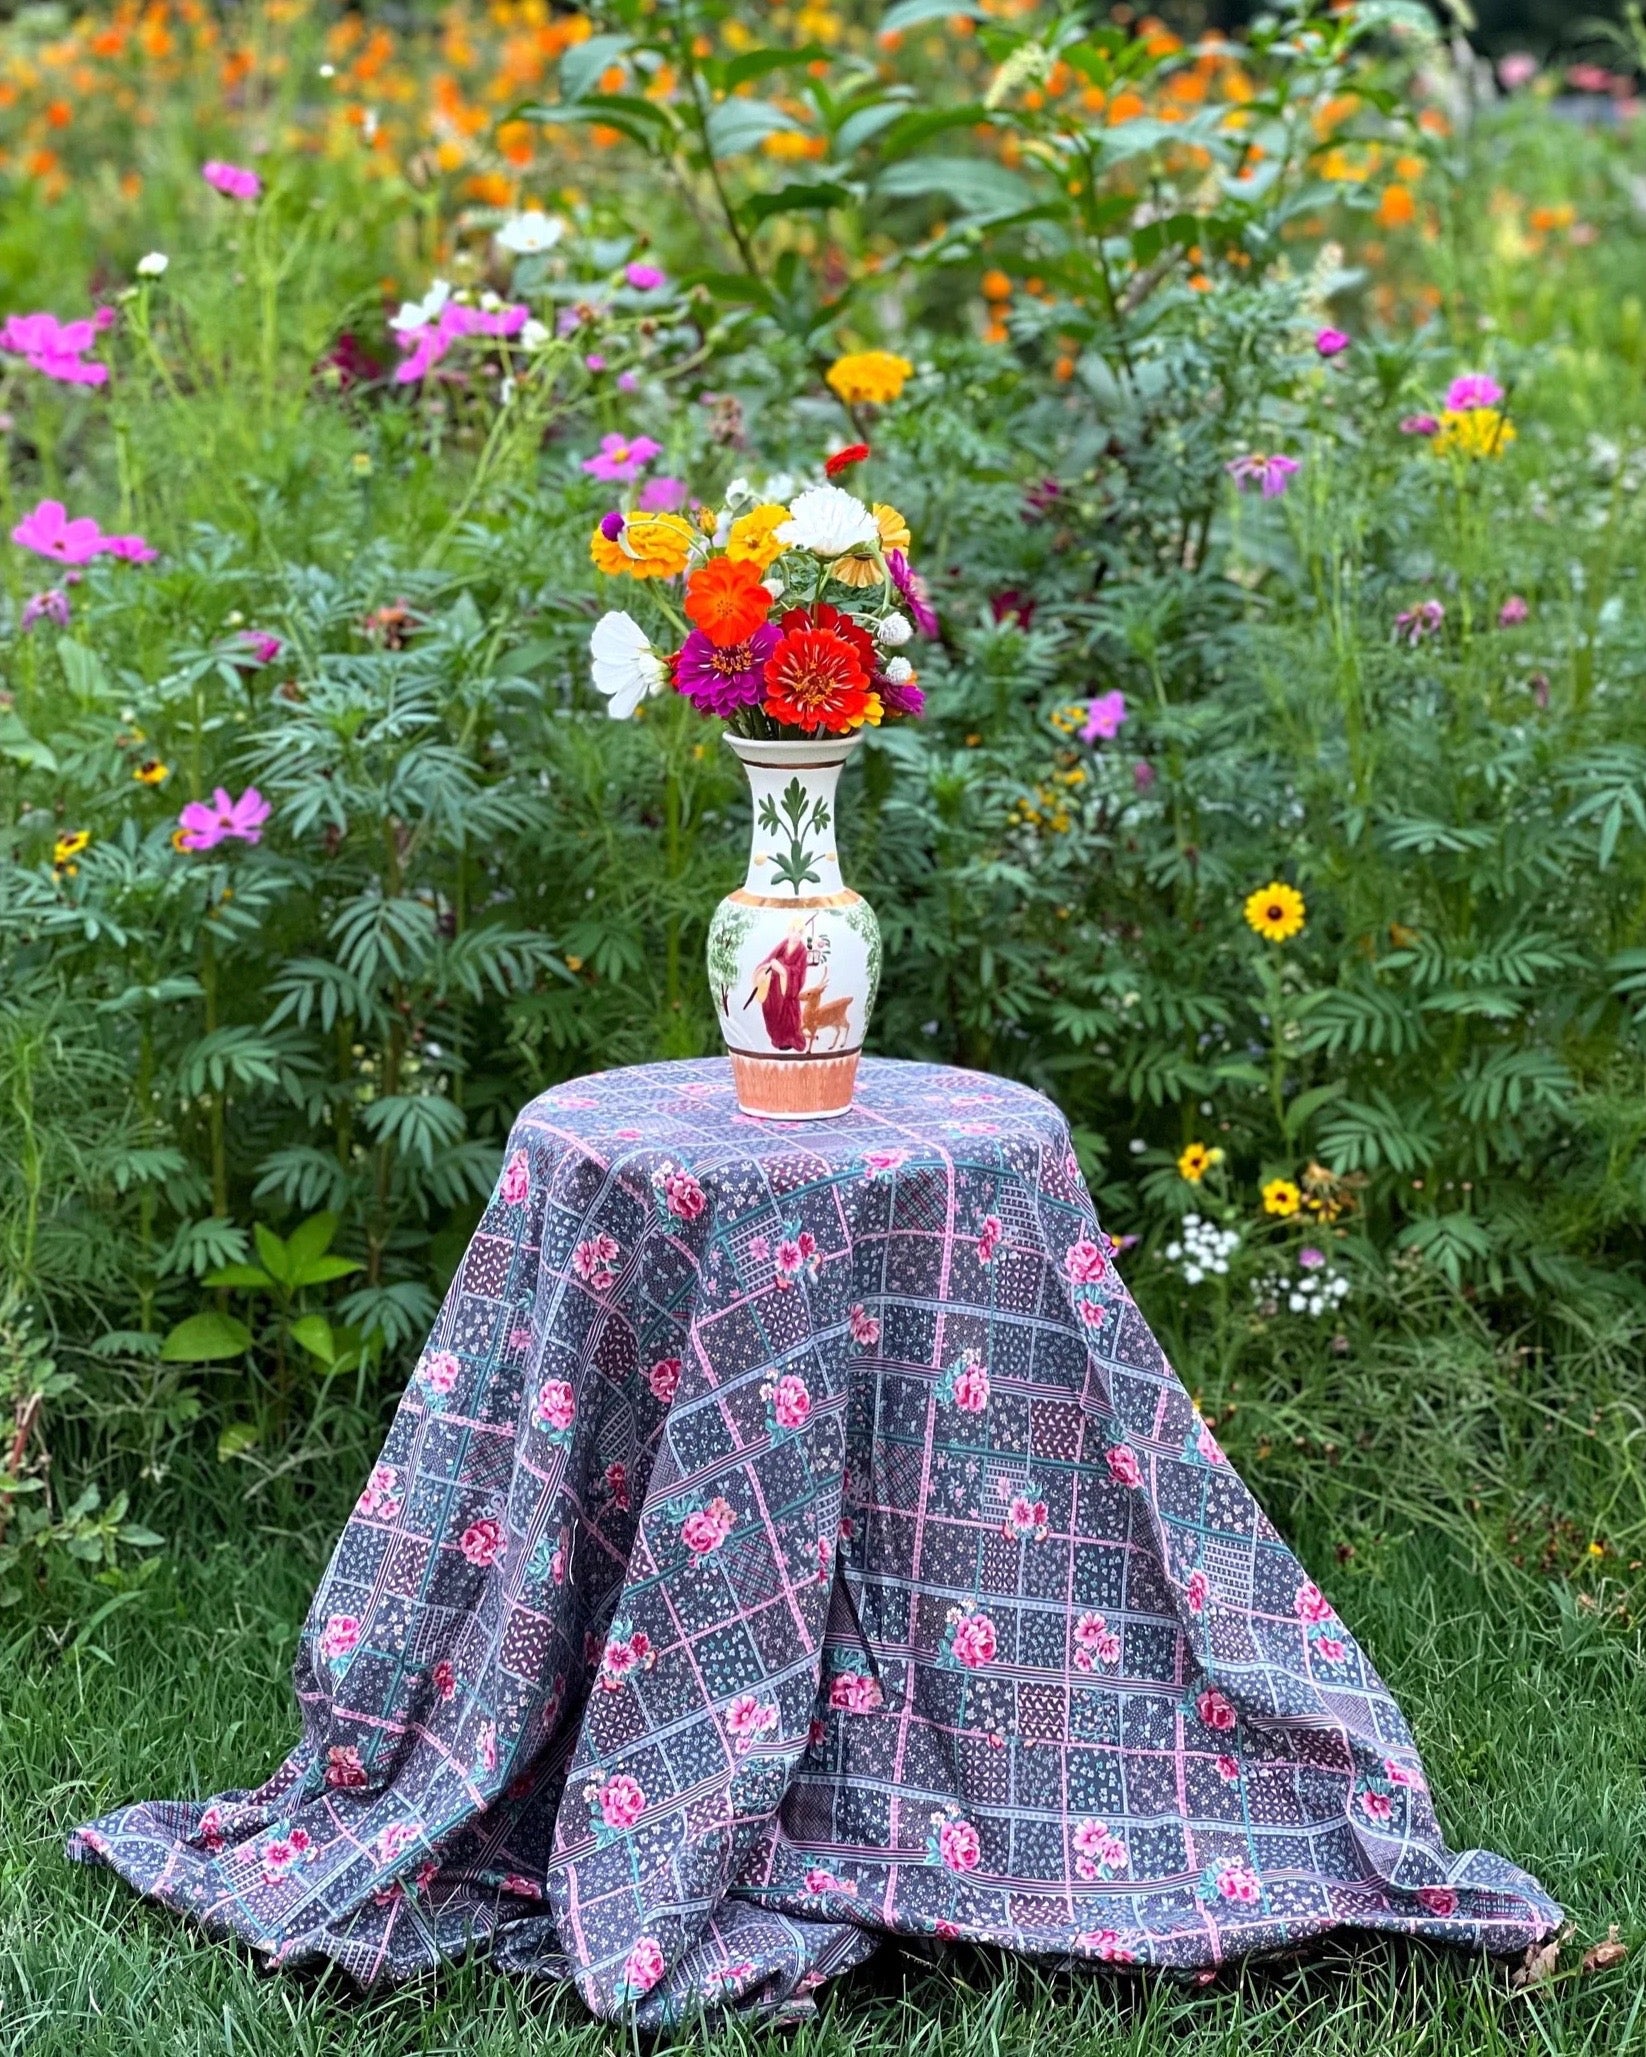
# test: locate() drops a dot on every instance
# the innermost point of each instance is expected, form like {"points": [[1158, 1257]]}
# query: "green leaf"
{"points": [[816, 198], [1303, 1109], [863, 124], [320, 1271], [236, 1439], [314, 1333], [22, 748], [755, 64], [909, 14], [272, 1249], [739, 125], [919, 126], [206, 1339], [311, 1238], [970, 184], [250, 1278], [583, 63]]}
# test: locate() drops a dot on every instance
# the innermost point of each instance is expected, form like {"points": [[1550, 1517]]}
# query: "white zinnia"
{"points": [[828, 521], [626, 668], [153, 266], [531, 233], [893, 630], [417, 314]]}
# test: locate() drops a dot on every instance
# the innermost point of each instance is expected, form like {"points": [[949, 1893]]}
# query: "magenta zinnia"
{"points": [[719, 679]]}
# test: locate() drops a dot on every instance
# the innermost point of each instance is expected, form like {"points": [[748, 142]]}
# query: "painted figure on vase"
{"points": [[778, 980]]}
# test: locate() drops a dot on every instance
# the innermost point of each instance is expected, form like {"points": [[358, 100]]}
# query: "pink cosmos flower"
{"points": [[1331, 342], [1513, 612], [791, 1402], [340, 1635], [1419, 425], [645, 278], [1439, 1900], [974, 1641], [971, 1387], [261, 646], [516, 1181], [664, 1379], [622, 1801], [959, 1845], [556, 1405], [1084, 1262], [1123, 1465], [1310, 1603], [1237, 1882], [1272, 474], [427, 335], [645, 1964], [51, 605], [49, 533], [204, 825], [483, 1542], [1419, 621], [621, 458], [234, 181], [855, 1692], [1197, 1592], [865, 1329], [1228, 1770], [440, 1372], [1215, 1711], [1377, 1806], [706, 1528], [56, 349], [132, 549], [1105, 717], [988, 1238], [1474, 389], [662, 496], [911, 588], [628, 382]]}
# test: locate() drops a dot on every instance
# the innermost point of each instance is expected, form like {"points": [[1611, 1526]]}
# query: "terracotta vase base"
{"points": [[794, 1088]]}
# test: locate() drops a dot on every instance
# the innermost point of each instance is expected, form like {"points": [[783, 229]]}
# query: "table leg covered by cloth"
{"points": [[791, 1535]]}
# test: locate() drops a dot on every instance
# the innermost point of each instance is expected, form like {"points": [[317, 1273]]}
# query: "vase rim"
{"points": [[781, 753]]}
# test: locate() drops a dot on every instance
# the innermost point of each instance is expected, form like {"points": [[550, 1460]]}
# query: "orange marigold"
{"points": [[727, 601]]}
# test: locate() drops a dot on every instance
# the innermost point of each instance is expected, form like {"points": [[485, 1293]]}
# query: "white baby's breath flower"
{"points": [[531, 233], [893, 630], [625, 666], [828, 521], [153, 266]]}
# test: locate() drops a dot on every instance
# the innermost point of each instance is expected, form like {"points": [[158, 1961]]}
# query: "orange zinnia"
{"points": [[727, 601], [819, 676]]}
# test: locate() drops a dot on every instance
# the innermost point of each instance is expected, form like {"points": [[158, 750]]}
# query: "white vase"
{"points": [[794, 954]]}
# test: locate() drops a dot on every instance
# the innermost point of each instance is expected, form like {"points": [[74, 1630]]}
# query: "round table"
{"points": [[791, 1535]]}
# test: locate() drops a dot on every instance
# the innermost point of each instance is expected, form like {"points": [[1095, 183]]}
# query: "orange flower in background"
{"points": [[1397, 209], [727, 601]]}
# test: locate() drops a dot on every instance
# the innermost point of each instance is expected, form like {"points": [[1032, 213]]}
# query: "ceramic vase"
{"points": [[794, 953]]}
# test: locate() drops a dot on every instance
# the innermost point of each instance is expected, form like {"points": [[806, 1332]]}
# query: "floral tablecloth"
{"points": [[792, 1535]]}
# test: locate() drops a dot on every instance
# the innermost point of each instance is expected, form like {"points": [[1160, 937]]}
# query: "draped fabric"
{"points": [[790, 1535]]}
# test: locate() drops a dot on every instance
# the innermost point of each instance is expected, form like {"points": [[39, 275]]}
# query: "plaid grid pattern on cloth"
{"points": [[793, 1534]]}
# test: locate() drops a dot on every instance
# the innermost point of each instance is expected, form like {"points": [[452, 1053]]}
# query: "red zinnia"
{"points": [[819, 676], [843, 460]]}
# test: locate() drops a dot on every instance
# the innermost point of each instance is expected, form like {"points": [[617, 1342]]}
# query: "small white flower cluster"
{"points": [[1204, 1251], [1317, 1288]]}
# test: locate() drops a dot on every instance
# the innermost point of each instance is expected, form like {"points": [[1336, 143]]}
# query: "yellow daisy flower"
{"points": [[894, 530], [1195, 1162], [1472, 432], [151, 772], [1276, 911], [751, 538], [67, 848], [1282, 1197], [870, 377]]}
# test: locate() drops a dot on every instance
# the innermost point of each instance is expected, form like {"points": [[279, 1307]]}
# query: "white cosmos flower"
{"points": [[153, 266], [625, 666], [417, 314], [899, 670], [534, 335], [893, 631], [828, 521], [531, 233]]}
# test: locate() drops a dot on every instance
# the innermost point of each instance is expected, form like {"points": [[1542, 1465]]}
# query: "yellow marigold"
{"points": [[1275, 911], [752, 539], [651, 546], [1472, 432], [894, 530], [1282, 1197], [875, 377], [1194, 1163]]}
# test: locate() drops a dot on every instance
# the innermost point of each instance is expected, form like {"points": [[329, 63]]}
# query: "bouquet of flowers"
{"points": [[794, 618]]}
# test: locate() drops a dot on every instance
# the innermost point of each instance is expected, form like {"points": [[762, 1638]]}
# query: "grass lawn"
{"points": [[1528, 1707]]}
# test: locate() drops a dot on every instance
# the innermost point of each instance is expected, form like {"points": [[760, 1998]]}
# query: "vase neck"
{"points": [[793, 852]]}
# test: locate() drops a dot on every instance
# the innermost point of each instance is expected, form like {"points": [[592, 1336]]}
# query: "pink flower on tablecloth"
{"points": [[617, 1484], [826, 1546], [877, 1161], [521, 1887], [974, 1641], [396, 1839], [555, 1406], [440, 1372], [959, 1845], [1104, 1944], [280, 1853], [1095, 1642], [827, 1882], [1197, 1591], [855, 1692], [988, 1238], [1211, 1450], [485, 1748], [520, 1339], [705, 1529], [378, 1500], [971, 1385], [622, 1801], [1311, 1603], [516, 1182], [1228, 1770], [444, 1679], [683, 1196], [1093, 1313], [1330, 1649], [340, 1635], [645, 1964], [1084, 1262], [1097, 1851], [209, 1835], [1438, 1900], [1123, 1465], [1238, 1882], [1404, 1775], [1024, 1517], [483, 1541], [865, 1329], [622, 1655], [1215, 1711], [791, 1402], [343, 1767], [1377, 1806], [664, 1379], [593, 1260], [747, 1719]]}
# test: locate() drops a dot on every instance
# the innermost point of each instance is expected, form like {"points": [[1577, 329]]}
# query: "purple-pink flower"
{"points": [[263, 647], [719, 679], [662, 496], [1417, 622], [645, 278], [202, 825], [1273, 474], [427, 340], [1518, 69], [621, 457], [1419, 425], [1104, 717], [56, 348], [913, 589], [1331, 342], [49, 532], [1513, 612], [232, 180], [51, 605], [1474, 389]]}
